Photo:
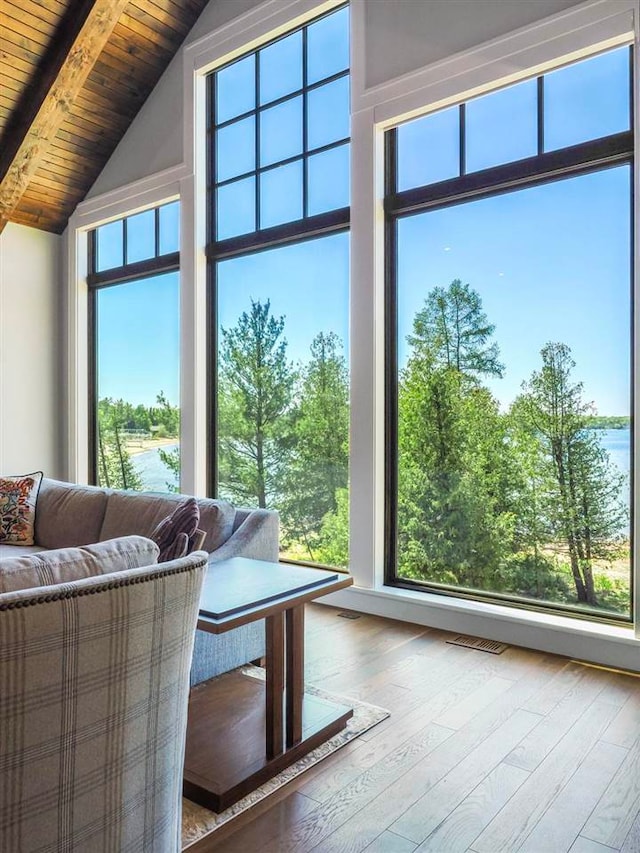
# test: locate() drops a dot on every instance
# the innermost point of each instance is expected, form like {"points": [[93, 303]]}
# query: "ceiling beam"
{"points": [[76, 48]]}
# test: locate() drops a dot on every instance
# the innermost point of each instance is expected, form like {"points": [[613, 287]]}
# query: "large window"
{"points": [[134, 282], [279, 285], [509, 344]]}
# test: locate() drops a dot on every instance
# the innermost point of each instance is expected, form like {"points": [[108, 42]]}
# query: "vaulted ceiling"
{"points": [[73, 75]]}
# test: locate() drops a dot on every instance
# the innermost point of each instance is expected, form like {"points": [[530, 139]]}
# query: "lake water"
{"points": [[155, 476], [617, 443]]}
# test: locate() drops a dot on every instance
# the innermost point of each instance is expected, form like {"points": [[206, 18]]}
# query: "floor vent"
{"points": [[478, 643], [349, 614]]}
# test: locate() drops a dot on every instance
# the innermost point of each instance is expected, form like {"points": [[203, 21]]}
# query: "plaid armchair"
{"points": [[94, 681]]}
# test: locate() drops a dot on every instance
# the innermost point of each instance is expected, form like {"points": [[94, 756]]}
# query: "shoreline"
{"points": [[135, 449]]}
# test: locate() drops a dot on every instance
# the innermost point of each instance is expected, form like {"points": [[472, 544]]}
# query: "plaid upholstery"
{"points": [[94, 679]]}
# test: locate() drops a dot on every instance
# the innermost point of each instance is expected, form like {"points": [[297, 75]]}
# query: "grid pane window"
{"points": [[326, 194], [236, 89], [281, 68], [275, 145], [236, 152], [141, 236], [169, 228], [429, 149], [281, 194], [328, 113], [502, 127], [328, 46], [278, 265], [236, 208], [587, 100], [582, 102], [110, 246], [136, 353], [270, 111]]}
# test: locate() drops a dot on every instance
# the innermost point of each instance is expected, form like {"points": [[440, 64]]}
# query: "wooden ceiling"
{"points": [[73, 75]]}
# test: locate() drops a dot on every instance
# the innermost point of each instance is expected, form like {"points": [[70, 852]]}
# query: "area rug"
{"points": [[198, 821]]}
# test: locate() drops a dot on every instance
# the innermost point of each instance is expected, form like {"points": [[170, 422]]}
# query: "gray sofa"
{"points": [[69, 515]]}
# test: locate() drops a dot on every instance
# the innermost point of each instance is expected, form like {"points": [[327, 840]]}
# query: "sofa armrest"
{"points": [[257, 538]]}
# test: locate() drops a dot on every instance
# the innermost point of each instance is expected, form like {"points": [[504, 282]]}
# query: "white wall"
{"points": [[400, 36], [30, 351], [404, 35]]}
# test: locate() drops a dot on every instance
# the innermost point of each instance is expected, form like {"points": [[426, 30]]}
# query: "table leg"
{"points": [[294, 673], [274, 664]]}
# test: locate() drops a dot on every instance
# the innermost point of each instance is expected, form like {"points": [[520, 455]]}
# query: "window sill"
{"points": [[608, 645]]}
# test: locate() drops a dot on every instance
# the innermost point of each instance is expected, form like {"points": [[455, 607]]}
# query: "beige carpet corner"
{"points": [[198, 821]]}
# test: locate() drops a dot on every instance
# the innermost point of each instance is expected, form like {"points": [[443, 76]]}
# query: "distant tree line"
{"points": [[607, 422]]}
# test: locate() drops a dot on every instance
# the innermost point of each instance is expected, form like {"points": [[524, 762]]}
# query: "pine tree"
{"points": [[588, 512], [255, 397], [319, 464]]}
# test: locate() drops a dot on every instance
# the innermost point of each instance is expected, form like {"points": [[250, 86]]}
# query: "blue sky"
{"points": [[550, 263], [138, 340]]}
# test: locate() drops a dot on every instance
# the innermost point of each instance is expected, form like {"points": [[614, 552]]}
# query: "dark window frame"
{"points": [[260, 239], [96, 281], [584, 158], [263, 237]]}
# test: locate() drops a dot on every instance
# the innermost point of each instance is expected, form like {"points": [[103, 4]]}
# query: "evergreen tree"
{"points": [[452, 331], [115, 468], [255, 397], [319, 464], [454, 518], [587, 510]]}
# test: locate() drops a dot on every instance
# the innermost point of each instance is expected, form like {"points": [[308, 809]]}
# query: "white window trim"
{"points": [[141, 195]]}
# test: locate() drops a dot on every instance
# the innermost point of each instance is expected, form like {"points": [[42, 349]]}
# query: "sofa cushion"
{"points": [[8, 552], [69, 564], [18, 508], [69, 515], [141, 512]]}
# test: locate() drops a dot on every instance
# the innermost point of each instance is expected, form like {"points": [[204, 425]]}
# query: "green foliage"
{"points": [[496, 501], [171, 460], [585, 510], [454, 520], [255, 408], [115, 469], [452, 331], [333, 549], [535, 576], [164, 419], [319, 457]]}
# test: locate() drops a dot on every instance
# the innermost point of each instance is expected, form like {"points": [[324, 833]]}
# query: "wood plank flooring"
{"points": [[483, 753]]}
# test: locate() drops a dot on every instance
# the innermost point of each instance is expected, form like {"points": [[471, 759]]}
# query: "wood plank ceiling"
{"points": [[73, 75]]}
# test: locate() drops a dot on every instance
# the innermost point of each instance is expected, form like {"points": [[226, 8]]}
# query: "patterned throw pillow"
{"points": [[176, 534], [18, 508]]}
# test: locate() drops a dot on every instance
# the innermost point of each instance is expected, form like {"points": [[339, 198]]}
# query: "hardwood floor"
{"points": [[521, 751]]}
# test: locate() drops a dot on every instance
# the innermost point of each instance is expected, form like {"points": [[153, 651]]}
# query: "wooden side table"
{"points": [[242, 730]]}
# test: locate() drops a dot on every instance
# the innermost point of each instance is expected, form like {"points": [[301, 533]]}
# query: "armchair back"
{"points": [[93, 709]]}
